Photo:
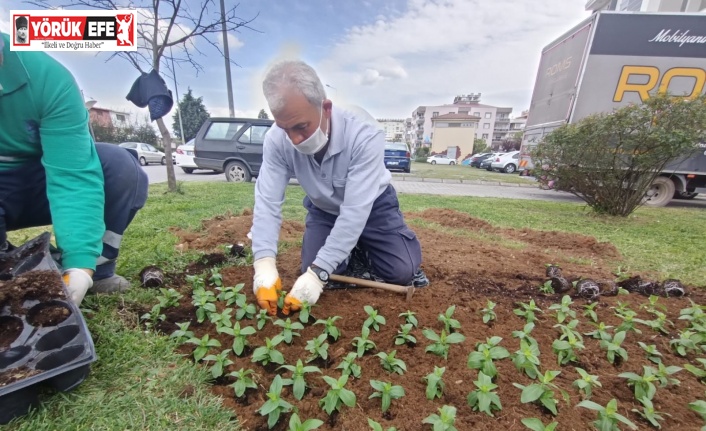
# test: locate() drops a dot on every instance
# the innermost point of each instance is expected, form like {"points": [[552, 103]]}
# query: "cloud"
{"points": [[233, 41], [437, 49]]}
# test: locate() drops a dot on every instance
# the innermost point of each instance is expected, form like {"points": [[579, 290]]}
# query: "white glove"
{"points": [[77, 283], [307, 288], [267, 284]]}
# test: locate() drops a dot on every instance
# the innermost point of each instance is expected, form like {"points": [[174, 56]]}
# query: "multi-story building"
{"points": [[647, 5], [420, 128], [394, 129], [108, 117], [454, 130]]}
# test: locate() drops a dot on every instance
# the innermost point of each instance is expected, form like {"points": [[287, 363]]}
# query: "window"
{"points": [[488, 114], [476, 114], [486, 125], [454, 125], [254, 135], [120, 118], [631, 5], [434, 114], [223, 131], [466, 112], [485, 136]]}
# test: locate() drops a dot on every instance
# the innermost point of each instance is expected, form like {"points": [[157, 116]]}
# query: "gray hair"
{"points": [[292, 75]]}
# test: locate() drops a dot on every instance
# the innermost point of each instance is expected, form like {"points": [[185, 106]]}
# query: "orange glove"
{"points": [[308, 287], [267, 284]]}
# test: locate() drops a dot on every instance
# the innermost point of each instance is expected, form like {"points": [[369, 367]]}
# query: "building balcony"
{"points": [[502, 120]]}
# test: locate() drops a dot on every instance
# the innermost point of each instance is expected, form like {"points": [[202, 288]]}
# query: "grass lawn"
{"points": [[138, 383], [464, 173]]}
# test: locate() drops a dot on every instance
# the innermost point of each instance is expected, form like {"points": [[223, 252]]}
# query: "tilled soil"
{"points": [[468, 262]]}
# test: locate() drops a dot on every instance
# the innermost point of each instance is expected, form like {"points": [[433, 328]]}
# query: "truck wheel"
{"points": [[660, 192], [510, 168], [237, 172]]}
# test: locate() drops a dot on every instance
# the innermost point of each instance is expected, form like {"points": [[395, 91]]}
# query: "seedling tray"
{"points": [[44, 340]]}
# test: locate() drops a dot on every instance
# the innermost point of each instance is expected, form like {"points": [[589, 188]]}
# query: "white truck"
{"points": [[615, 58]]}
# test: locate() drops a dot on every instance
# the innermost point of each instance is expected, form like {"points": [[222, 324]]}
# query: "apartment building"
{"points": [[394, 129], [420, 130], [454, 130], [647, 5]]}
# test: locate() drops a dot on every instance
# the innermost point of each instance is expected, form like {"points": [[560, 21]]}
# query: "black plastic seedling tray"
{"points": [[52, 346]]}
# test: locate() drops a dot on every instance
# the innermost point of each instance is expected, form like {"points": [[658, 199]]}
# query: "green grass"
{"points": [[465, 173], [138, 383]]}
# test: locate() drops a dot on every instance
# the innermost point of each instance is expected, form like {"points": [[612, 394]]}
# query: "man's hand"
{"points": [[307, 288], [77, 282], [267, 284]]}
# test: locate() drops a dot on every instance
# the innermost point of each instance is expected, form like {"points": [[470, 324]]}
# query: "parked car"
{"points": [[146, 153], [507, 162], [478, 158], [485, 164], [440, 159], [397, 156], [232, 146], [185, 157]]}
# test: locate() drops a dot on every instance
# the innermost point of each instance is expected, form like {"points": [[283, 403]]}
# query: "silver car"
{"points": [[146, 153]]}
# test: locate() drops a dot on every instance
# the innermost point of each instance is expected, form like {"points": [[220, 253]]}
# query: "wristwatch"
{"points": [[321, 273]]}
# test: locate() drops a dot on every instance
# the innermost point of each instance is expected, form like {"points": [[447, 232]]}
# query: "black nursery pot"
{"points": [[54, 352]]}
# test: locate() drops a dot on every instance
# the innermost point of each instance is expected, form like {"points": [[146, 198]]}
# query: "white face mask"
{"points": [[314, 143]]}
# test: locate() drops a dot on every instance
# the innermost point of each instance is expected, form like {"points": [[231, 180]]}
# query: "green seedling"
{"points": [[484, 398], [216, 278], [547, 288], [363, 344], [608, 416], [305, 312], [289, 329], [275, 405], [601, 333], [652, 353], [566, 349], [318, 347], [658, 324], [204, 301], [337, 396], [330, 328], [482, 359], [563, 310], [245, 310], [537, 425], [435, 384], [262, 318], [297, 380], [377, 427], [155, 315], [644, 385], [628, 321], [197, 282], [528, 311], [652, 304], [169, 298], [222, 319], [649, 413], [240, 336], [349, 367], [541, 392], [230, 294], [590, 312], [387, 392], [569, 330], [663, 374], [586, 382], [699, 406], [391, 364], [404, 337], [243, 381], [442, 342], [687, 342], [694, 314], [182, 334], [700, 373], [524, 334], [295, 424], [221, 361], [450, 324], [489, 312], [527, 358], [280, 299], [268, 353], [409, 317], [202, 346], [615, 352], [444, 421], [374, 319]]}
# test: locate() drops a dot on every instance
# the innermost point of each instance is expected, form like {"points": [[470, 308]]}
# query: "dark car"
{"points": [[232, 146], [397, 156], [477, 159], [486, 164]]}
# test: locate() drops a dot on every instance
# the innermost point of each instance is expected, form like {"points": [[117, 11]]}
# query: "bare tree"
{"points": [[163, 25]]}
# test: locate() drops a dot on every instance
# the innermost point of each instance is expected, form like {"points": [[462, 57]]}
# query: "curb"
{"points": [[459, 181]]}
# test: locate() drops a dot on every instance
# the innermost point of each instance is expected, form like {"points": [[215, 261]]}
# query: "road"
{"points": [[158, 174]]}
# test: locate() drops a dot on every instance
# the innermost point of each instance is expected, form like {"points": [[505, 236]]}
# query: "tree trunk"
{"points": [[167, 140]]}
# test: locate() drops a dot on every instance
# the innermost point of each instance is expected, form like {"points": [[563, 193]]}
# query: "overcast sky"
{"points": [[388, 56]]}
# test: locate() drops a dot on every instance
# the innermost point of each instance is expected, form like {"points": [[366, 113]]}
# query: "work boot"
{"points": [[112, 284], [420, 279]]}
